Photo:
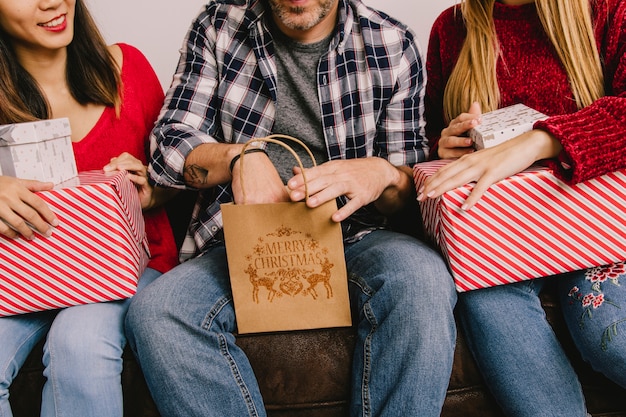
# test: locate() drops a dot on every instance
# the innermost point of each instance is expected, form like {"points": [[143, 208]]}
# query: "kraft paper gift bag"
{"points": [[286, 262]]}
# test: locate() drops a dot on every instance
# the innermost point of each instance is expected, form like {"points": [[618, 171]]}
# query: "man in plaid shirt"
{"points": [[349, 82]]}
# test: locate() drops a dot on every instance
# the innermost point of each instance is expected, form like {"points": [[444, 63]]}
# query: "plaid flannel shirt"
{"points": [[370, 85]]}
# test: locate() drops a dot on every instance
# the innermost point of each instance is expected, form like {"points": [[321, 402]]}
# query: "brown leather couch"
{"points": [[307, 374]]}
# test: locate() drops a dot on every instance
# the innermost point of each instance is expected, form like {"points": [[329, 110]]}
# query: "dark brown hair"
{"points": [[92, 74]]}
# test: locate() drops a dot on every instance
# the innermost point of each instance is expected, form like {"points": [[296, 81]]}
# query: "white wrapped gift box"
{"points": [[503, 124], [40, 150]]}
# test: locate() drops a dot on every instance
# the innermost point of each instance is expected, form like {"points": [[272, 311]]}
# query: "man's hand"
{"points": [[261, 181], [362, 181]]}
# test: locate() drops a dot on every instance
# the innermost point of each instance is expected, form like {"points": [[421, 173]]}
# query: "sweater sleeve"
{"points": [[594, 138]]}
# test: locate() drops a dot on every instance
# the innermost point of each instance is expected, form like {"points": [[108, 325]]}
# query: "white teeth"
{"points": [[54, 22]]}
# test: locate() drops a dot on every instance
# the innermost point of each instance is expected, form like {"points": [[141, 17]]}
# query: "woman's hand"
{"points": [[490, 165], [22, 212], [137, 172], [453, 143]]}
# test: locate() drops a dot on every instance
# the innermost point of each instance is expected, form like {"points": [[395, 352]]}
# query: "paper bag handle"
{"points": [[272, 139]]}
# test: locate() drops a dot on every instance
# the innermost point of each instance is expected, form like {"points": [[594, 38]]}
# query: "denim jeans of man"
{"points": [[518, 353], [181, 329], [82, 356]]}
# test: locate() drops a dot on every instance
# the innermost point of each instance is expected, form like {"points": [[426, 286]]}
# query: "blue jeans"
{"points": [[181, 329], [518, 353], [594, 306], [82, 356]]}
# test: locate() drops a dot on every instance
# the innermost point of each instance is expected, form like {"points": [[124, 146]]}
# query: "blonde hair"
{"points": [[568, 25]]}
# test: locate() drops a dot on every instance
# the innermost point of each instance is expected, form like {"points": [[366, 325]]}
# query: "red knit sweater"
{"points": [[529, 72], [142, 100]]}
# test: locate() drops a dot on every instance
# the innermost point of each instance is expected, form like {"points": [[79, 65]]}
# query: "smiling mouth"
{"points": [[54, 22]]}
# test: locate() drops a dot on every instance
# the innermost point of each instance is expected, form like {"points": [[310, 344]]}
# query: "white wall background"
{"points": [[157, 27]]}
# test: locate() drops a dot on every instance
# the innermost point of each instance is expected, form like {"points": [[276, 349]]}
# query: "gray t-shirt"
{"points": [[298, 112]]}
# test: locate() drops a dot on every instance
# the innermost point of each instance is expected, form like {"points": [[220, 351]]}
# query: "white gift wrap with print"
{"points": [[39, 150], [503, 124], [97, 252], [527, 226]]}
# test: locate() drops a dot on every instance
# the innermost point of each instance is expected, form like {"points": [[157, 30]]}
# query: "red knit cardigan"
{"points": [[529, 72]]}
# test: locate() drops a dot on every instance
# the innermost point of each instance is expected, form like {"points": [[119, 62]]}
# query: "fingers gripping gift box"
{"points": [[39, 150], [96, 254], [527, 226], [503, 124]]}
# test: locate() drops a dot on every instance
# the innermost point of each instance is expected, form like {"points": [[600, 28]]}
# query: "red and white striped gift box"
{"points": [[96, 253], [527, 226]]}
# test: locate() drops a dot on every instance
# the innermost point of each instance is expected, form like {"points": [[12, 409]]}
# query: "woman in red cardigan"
{"points": [[567, 59], [54, 63]]}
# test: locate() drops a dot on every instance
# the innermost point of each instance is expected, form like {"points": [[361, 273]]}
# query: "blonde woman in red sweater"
{"points": [[567, 59]]}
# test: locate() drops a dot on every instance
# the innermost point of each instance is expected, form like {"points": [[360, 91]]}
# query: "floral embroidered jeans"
{"points": [[594, 305]]}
